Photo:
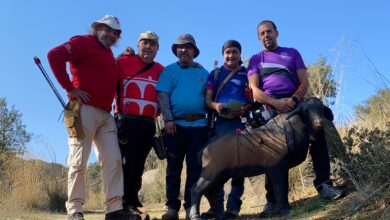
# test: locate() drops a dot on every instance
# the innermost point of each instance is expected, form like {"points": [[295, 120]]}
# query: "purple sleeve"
{"points": [[299, 64], [253, 67], [210, 81]]}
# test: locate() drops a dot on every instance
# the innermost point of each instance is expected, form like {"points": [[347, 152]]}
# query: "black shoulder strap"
{"points": [[228, 77], [216, 73], [118, 88], [144, 69]]}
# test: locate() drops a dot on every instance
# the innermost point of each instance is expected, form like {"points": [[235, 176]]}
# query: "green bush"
{"points": [[367, 157]]}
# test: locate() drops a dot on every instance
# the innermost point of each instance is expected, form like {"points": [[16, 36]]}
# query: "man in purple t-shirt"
{"points": [[278, 78]]}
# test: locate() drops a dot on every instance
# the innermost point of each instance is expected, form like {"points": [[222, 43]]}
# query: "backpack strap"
{"points": [[228, 77]]}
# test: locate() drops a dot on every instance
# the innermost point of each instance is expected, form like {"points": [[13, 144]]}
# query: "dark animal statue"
{"points": [[283, 141]]}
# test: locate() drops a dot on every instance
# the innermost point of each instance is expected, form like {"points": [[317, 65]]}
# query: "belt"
{"points": [[190, 118], [228, 118], [144, 118]]}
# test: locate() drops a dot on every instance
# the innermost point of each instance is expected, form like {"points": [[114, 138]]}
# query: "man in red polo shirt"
{"points": [[137, 102], [93, 84]]}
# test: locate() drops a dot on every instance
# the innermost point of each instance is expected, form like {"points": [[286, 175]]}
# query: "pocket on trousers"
{"points": [[76, 149]]}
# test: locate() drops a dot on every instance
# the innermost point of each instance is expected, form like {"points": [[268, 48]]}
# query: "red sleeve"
{"points": [[57, 58], [60, 55]]}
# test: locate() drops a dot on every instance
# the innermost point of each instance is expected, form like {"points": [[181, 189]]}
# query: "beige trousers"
{"points": [[99, 128]]}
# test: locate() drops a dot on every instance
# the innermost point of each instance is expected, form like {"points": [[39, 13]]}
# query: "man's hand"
{"points": [[218, 106], [80, 95], [238, 112], [283, 105], [170, 127], [129, 51], [223, 109]]}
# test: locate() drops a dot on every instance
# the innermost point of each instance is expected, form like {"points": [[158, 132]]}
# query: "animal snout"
{"points": [[318, 124]]}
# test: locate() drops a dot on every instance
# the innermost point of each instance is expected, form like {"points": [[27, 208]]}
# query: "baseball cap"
{"points": [[149, 35]]}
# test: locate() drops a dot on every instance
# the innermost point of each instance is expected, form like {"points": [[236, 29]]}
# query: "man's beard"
{"points": [[270, 46], [106, 41], [185, 59]]}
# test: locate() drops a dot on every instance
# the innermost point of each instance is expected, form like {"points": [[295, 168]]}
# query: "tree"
{"points": [[375, 111], [94, 180], [322, 84], [13, 133]]}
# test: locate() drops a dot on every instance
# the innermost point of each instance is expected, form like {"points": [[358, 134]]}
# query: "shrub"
{"points": [[367, 156]]}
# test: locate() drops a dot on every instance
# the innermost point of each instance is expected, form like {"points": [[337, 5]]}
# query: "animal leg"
{"points": [[278, 175], [216, 205], [197, 192]]}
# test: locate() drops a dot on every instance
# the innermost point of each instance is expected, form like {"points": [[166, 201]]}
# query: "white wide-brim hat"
{"points": [[110, 21]]}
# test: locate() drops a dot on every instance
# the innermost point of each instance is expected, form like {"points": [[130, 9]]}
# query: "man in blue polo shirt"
{"points": [[181, 94], [225, 94], [278, 78]]}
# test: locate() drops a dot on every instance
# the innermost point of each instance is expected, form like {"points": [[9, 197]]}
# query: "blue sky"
{"points": [[352, 35]]}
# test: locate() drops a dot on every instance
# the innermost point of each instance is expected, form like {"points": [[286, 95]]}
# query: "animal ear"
{"points": [[328, 113]]}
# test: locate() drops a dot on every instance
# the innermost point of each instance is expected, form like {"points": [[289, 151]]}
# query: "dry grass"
{"points": [[34, 184], [28, 186]]}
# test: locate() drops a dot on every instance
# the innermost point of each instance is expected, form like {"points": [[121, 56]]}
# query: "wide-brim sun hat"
{"points": [[185, 39], [109, 20]]}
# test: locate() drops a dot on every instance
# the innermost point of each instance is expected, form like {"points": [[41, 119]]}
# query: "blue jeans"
{"points": [[223, 126], [321, 163], [186, 143]]}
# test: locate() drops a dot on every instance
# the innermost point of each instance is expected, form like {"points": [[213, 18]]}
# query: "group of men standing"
{"points": [[182, 92]]}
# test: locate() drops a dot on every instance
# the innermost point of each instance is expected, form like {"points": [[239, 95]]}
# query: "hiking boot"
{"points": [[122, 214], [329, 192], [188, 210], [272, 209], [230, 214], [76, 216], [282, 210], [207, 215], [171, 214], [268, 211], [136, 211]]}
